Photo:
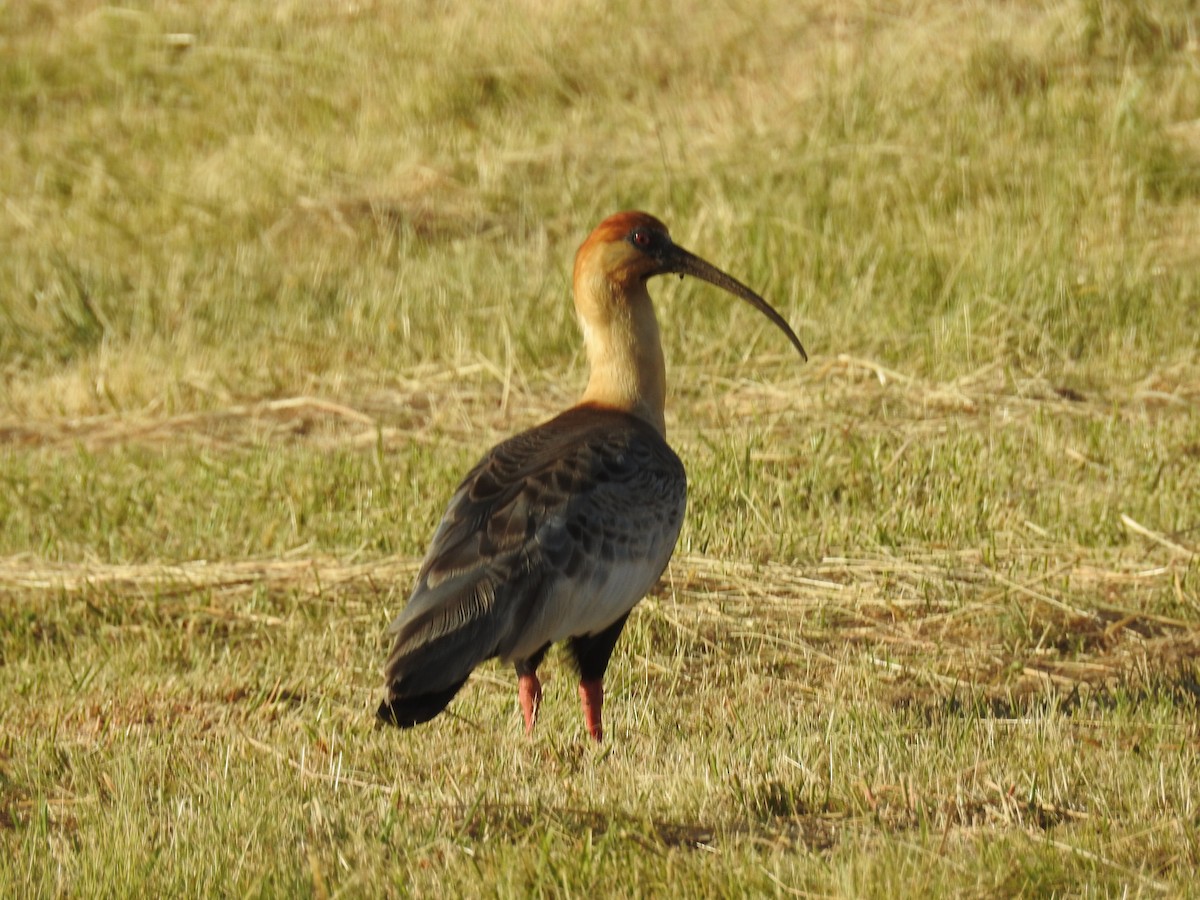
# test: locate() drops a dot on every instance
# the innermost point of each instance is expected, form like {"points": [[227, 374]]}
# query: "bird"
{"points": [[558, 532]]}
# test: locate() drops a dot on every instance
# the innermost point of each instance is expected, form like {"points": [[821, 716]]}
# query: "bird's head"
{"points": [[628, 248]]}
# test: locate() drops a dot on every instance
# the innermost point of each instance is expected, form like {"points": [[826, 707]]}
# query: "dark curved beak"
{"points": [[678, 261]]}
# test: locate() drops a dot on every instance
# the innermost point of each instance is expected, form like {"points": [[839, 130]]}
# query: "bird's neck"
{"points": [[624, 351]]}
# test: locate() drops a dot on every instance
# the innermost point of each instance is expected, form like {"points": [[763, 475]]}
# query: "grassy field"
{"points": [[275, 275]]}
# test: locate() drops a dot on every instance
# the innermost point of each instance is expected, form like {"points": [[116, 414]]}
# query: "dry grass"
{"points": [[889, 604], [276, 275]]}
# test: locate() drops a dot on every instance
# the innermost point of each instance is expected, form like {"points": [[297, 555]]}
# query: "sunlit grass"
{"points": [[275, 275]]}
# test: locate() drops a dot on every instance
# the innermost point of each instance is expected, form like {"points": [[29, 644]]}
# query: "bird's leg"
{"points": [[591, 696], [529, 690], [592, 653]]}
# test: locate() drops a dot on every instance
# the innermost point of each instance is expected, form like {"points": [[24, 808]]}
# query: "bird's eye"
{"points": [[641, 238]]}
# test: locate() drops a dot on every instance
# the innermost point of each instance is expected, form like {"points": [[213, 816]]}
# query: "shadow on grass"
{"points": [[1179, 690], [813, 832]]}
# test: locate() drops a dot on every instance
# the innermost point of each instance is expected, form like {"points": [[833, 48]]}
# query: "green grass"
{"points": [[269, 290]]}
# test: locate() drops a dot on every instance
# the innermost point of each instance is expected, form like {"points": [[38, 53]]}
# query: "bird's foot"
{"points": [[529, 690], [591, 696]]}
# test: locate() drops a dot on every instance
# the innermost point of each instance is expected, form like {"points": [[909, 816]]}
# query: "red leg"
{"points": [[529, 690], [591, 696]]}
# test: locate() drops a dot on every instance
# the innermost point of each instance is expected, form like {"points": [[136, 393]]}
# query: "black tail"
{"points": [[405, 712]]}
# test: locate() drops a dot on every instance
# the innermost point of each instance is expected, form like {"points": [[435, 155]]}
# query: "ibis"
{"points": [[558, 532]]}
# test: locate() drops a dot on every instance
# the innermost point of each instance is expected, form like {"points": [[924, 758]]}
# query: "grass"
{"points": [[276, 275]]}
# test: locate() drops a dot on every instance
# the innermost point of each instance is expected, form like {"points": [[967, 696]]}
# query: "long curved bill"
{"points": [[681, 262]]}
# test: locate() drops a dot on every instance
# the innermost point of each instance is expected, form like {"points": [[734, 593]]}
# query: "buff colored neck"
{"points": [[624, 351]]}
